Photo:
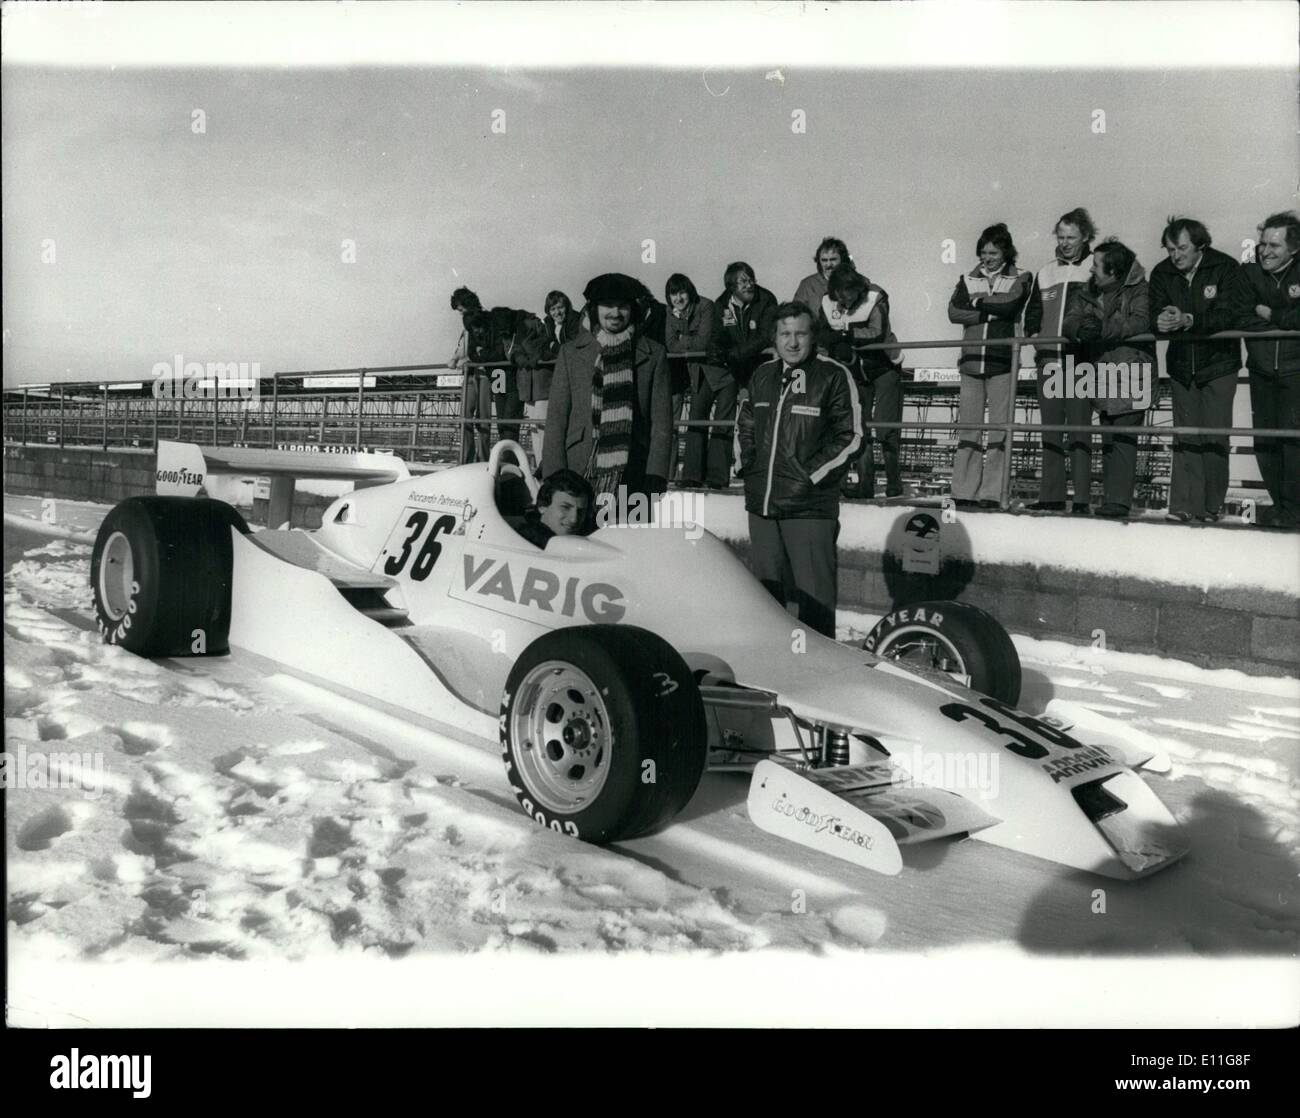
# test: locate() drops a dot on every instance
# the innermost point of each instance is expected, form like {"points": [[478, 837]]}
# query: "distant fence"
{"points": [[405, 408]]}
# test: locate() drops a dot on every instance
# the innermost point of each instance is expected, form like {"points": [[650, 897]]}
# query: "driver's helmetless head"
{"points": [[563, 503]]}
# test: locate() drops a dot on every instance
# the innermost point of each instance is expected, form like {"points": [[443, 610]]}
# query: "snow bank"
{"points": [[1205, 558]]}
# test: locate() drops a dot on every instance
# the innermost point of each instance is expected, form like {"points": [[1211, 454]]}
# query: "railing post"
{"points": [[464, 398], [23, 429], [60, 417], [1008, 434], [155, 416], [415, 427], [361, 401], [324, 410], [275, 406], [216, 415], [180, 417], [105, 393]]}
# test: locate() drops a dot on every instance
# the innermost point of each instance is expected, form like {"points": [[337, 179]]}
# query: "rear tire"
{"points": [[161, 575], [602, 732], [953, 638]]}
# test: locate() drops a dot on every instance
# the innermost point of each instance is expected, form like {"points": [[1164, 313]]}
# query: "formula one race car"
{"points": [[613, 667]]}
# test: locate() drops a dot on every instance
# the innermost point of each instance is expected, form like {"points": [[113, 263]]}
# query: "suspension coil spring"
{"points": [[837, 747]]}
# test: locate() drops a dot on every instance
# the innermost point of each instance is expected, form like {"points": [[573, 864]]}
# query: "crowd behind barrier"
{"points": [[989, 302]]}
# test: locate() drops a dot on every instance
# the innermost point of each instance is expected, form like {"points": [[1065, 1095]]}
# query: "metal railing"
{"points": [[411, 416]]}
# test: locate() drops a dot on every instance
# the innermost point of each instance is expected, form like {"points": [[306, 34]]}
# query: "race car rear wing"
{"points": [[183, 468]]}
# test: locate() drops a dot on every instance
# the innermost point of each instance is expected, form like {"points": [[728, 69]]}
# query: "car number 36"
{"points": [[429, 551], [1019, 743]]}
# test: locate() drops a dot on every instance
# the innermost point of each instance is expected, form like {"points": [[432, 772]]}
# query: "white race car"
{"points": [[613, 667]]}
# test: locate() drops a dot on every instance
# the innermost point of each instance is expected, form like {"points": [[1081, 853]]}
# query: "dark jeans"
{"points": [[1275, 402], [800, 553], [1058, 445], [508, 405], [1200, 473], [476, 403], [881, 398], [1119, 457], [708, 449]]}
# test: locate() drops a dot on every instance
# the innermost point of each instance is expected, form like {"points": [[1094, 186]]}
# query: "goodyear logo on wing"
{"points": [[534, 592]]}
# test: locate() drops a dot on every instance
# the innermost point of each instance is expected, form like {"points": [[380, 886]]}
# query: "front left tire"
{"points": [[161, 573], [603, 732]]}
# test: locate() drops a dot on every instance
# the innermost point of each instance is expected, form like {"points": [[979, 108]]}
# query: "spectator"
{"points": [[477, 391], [744, 317], [1268, 298], [1104, 314], [1049, 296], [1191, 292], [799, 429], [987, 302], [830, 254], [516, 341], [856, 312], [654, 315], [465, 303], [609, 415], [712, 387], [563, 508], [559, 326]]}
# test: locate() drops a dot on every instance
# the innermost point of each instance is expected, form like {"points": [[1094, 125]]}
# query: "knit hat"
{"points": [[613, 287]]}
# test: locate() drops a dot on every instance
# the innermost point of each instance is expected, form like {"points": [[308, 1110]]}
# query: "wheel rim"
{"points": [[559, 730], [924, 648], [116, 576]]}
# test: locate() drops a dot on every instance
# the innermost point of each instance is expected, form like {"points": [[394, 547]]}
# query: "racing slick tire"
{"points": [[603, 731], [161, 574], [953, 638]]}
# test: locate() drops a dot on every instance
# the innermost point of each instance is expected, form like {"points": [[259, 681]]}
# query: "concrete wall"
{"points": [[1223, 626]]}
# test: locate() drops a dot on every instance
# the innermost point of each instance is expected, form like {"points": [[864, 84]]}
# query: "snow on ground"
{"points": [[1138, 548], [238, 818]]}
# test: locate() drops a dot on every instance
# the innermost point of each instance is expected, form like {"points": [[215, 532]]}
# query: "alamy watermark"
{"points": [[676, 509], [212, 380], [36, 768], [1105, 380]]}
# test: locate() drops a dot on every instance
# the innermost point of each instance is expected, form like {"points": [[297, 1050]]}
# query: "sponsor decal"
{"points": [[1294, 291], [532, 590], [179, 477], [908, 617], [805, 409], [1211, 290], [1080, 761], [829, 824]]}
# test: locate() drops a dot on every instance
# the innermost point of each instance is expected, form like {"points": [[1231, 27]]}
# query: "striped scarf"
{"points": [[612, 391]]}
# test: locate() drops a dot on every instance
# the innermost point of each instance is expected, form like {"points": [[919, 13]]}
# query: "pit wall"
{"points": [[1218, 597], [109, 476]]}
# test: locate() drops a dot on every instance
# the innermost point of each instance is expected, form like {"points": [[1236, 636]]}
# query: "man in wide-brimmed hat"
{"points": [[609, 417]]}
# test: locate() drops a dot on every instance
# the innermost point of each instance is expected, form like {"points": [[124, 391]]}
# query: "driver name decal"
{"points": [[536, 589]]}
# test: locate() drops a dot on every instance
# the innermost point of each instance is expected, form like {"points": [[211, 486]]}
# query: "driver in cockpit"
{"points": [[563, 508]]}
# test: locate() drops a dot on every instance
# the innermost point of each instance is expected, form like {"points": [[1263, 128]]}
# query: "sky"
{"points": [[317, 212]]}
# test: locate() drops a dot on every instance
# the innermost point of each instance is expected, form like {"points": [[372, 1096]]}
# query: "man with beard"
{"points": [[830, 254], [609, 416]]}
